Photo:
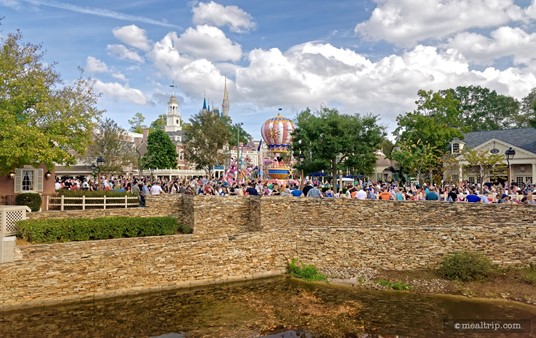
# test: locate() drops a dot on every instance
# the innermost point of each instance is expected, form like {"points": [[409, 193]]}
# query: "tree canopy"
{"points": [[528, 109], [41, 119], [161, 152], [484, 109], [427, 131], [136, 123], [331, 141], [159, 123], [238, 134], [112, 143], [206, 135]]}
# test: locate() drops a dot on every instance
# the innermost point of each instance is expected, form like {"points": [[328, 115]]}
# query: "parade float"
{"points": [[276, 133]]}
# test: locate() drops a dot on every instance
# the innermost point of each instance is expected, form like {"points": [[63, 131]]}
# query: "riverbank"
{"points": [[514, 284]]}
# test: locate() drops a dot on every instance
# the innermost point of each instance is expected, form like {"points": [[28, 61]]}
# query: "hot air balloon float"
{"points": [[276, 133]]}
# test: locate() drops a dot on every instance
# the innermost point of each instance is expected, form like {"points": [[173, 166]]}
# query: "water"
{"points": [[276, 307]]}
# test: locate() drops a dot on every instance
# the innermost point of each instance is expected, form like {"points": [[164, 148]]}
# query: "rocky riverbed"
{"points": [[508, 284]]}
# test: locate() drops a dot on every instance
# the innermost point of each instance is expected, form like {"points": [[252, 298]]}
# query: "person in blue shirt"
{"points": [[472, 197], [296, 192], [432, 195]]}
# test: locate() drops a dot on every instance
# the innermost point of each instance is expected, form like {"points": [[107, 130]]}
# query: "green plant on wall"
{"points": [[308, 272]]}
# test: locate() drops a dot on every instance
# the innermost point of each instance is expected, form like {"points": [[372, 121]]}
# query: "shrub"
{"points": [[528, 274], [466, 266], [65, 230], [308, 272], [32, 200], [395, 285]]}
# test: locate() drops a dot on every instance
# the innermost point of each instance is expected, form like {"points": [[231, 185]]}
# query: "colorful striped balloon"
{"points": [[276, 133]]}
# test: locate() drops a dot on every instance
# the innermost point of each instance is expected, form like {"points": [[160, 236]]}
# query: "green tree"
{"points": [[238, 134], [328, 140], [205, 136], [484, 109], [483, 160], [527, 116], [415, 159], [428, 130], [387, 147], [161, 152], [136, 123], [159, 123], [41, 120], [113, 144]]}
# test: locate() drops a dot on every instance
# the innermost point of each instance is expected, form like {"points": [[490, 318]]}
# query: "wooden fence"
{"points": [[83, 202]]}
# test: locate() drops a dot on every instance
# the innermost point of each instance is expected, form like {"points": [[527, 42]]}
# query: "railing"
{"points": [[9, 216], [84, 202]]}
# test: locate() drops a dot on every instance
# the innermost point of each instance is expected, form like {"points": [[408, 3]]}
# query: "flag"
{"points": [[259, 148]]}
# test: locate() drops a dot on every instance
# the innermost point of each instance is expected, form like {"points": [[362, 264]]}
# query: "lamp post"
{"points": [[97, 168], [238, 157], [509, 153]]}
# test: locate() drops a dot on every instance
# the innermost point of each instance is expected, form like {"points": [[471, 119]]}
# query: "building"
{"points": [[173, 129], [522, 165]]}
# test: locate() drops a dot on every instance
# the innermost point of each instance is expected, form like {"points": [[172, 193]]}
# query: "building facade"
{"points": [[522, 165]]}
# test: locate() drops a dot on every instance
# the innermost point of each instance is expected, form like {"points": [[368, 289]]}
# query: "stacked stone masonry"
{"points": [[239, 238]]}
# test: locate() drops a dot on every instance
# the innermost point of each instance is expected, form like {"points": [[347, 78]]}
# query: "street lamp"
{"points": [[96, 167], [509, 153]]}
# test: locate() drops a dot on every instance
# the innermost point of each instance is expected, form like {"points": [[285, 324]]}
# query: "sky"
{"points": [[359, 56]]}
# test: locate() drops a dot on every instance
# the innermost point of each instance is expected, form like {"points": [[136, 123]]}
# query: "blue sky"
{"points": [[361, 57]]}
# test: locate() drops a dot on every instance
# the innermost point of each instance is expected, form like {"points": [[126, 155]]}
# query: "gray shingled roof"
{"points": [[524, 138]]}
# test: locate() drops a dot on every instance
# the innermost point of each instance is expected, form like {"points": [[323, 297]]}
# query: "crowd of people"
{"points": [[362, 190]]}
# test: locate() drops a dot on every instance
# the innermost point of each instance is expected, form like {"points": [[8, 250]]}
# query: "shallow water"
{"points": [[276, 307]]}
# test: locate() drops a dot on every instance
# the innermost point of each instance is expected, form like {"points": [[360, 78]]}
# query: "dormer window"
{"points": [[455, 148]]}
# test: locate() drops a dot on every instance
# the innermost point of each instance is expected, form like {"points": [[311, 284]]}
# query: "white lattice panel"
{"points": [[12, 216]]}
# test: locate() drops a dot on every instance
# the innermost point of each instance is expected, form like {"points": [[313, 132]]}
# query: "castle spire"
{"points": [[204, 101], [225, 104]]}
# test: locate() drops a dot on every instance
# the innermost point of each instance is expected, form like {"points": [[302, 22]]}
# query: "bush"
{"points": [[466, 266], [528, 274], [308, 272], [65, 230], [32, 200]]}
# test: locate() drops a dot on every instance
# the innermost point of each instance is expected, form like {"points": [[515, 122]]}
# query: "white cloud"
{"points": [[94, 65], [119, 76], [531, 11], [123, 53], [208, 42], [320, 74], [215, 14], [166, 57], [133, 36], [504, 41], [123, 92], [407, 22], [15, 4]]}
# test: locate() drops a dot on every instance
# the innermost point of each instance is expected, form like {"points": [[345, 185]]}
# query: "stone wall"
{"points": [[84, 270], [401, 235], [248, 237]]}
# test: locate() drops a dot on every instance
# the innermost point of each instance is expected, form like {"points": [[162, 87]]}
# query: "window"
{"points": [[519, 179], [471, 179], [455, 148], [28, 180], [528, 179]]}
